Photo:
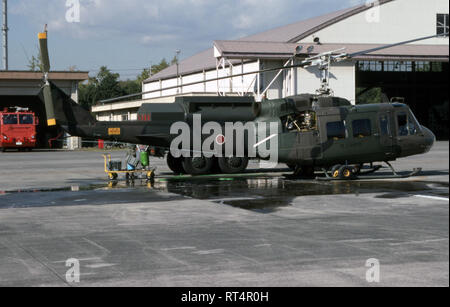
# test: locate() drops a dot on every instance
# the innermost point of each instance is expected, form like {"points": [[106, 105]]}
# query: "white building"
{"points": [[355, 29]]}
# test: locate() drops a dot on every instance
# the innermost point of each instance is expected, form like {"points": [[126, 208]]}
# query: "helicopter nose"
{"points": [[429, 139]]}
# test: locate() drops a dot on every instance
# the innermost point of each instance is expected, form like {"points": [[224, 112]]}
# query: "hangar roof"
{"points": [[54, 75]]}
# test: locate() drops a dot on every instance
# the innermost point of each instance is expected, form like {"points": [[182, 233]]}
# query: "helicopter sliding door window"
{"points": [[336, 131], [442, 24], [362, 128], [385, 128]]}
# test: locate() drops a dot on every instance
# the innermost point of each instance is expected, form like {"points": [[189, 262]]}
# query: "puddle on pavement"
{"points": [[259, 194], [266, 195]]}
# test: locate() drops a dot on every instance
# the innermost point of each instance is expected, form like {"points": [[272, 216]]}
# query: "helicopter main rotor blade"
{"points": [[48, 98], [315, 60], [352, 55], [45, 60]]}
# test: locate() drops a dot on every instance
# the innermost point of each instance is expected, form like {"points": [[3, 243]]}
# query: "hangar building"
{"points": [[416, 73], [21, 89]]}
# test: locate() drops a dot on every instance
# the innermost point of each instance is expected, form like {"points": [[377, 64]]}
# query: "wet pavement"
{"points": [[256, 229]]}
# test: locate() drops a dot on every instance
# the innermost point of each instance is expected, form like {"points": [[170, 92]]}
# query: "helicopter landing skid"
{"points": [[376, 168]]}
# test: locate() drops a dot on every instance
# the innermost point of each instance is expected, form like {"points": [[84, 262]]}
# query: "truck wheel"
{"points": [[198, 166], [233, 165], [175, 164]]}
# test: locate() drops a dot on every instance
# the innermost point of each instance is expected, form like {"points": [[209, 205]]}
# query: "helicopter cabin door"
{"points": [[386, 130], [308, 145]]}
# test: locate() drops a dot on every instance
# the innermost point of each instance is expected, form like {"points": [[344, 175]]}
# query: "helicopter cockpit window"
{"points": [[10, 119], [362, 128], [301, 122], [407, 125], [336, 131]]}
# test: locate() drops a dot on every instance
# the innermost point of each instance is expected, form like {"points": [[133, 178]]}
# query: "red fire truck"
{"points": [[17, 129]]}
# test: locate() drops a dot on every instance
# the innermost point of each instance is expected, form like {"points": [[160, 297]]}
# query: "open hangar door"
{"points": [[21, 89], [423, 85]]}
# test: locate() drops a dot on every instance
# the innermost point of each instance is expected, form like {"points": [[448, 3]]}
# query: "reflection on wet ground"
{"points": [[259, 194]]}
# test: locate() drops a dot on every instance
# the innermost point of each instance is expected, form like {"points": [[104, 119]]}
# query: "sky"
{"points": [[129, 35]]}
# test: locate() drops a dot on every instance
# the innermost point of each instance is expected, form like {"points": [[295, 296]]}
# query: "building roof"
{"points": [[279, 42], [295, 32], [54, 75]]}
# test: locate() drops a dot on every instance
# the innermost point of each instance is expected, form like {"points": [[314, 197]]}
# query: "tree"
{"points": [[161, 66], [106, 85], [145, 74], [35, 63], [103, 86]]}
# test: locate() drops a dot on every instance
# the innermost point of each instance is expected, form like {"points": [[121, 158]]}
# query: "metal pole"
{"points": [[5, 35], [178, 71]]}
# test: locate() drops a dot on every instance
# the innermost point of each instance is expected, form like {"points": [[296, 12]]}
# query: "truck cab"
{"points": [[17, 129]]}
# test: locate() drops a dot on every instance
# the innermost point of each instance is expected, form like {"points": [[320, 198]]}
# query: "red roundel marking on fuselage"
{"points": [[220, 139]]}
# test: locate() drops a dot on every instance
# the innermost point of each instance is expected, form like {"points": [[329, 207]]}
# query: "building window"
{"points": [[442, 24], [362, 128], [423, 66], [436, 67], [370, 66], [398, 66], [336, 131]]}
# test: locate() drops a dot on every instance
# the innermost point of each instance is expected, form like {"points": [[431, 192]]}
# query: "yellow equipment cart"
{"points": [[113, 174]]}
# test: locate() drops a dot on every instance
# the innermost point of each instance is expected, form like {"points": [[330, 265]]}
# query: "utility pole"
{"points": [[5, 35]]}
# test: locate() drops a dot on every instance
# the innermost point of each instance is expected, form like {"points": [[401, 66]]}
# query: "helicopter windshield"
{"points": [[407, 124]]}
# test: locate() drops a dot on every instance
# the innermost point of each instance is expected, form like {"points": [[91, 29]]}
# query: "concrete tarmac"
{"points": [[253, 230]]}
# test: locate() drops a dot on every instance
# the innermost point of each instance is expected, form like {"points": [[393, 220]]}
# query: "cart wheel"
{"points": [[346, 172], [151, 176], [112, 176], [335, 171]]}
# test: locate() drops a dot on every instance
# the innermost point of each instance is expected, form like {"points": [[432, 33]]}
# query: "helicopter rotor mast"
{"points": [[324, 60]]}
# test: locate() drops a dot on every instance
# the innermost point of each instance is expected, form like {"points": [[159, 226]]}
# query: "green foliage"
{"points": [[35, 63], [374, 95], [161, 66], [103, 86]]}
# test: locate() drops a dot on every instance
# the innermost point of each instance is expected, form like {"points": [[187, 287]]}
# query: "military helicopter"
{"points": [[315, 131]]}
